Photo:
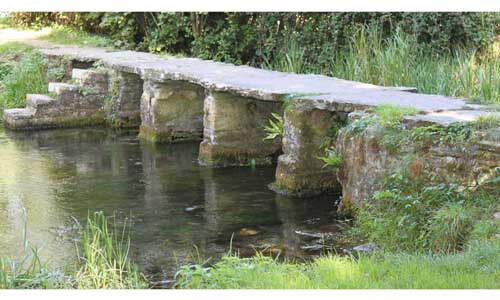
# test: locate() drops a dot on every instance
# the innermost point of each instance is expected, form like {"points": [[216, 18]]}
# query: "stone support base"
{"points": [[124, 100], [171, 111], [234, 131], [307, 132]]}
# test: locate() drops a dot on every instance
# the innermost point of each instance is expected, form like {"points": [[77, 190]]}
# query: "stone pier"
{"points": [[234, 133], [171, 111], [124, 99], [308, 132]]}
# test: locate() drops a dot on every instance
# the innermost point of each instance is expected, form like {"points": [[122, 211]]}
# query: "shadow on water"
{"points": [[178, 210]]}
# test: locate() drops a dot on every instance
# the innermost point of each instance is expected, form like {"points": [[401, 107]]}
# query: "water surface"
{"points": [[178, 210]]}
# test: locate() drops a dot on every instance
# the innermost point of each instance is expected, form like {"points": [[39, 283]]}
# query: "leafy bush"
{"points": [[257, 38]]}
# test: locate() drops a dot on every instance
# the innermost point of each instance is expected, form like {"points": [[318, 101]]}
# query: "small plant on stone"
{"points": [[98, 65], [56, 73], [390, 115], [275, 127], [360, 124], [332, 158], [287, 101]]}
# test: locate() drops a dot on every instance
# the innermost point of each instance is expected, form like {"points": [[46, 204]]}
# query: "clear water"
{"points": [[178, 210]]}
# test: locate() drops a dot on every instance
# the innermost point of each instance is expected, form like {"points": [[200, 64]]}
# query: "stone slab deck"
{"points": [[258, 83]]}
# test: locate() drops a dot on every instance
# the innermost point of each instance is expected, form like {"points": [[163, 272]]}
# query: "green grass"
{"points": [[27, 77], [477, 267], [5, 23], [71, 36], [392, 114], [10, 52], [103, 263], [10, 49]]}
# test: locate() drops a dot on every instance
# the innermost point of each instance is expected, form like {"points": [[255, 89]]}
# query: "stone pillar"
{"points": [[307, 132], [171, 111], [124, 101], [234, 133]]}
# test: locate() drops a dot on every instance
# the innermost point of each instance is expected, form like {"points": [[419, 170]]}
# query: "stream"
{"points": [[178, 212]]}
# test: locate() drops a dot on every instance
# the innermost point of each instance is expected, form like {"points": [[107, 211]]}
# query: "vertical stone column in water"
{"points": [[307, 131], [171, 111], [123, 104], [233, 133]]}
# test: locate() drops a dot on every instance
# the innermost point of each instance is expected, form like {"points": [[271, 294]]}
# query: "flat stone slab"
{"points": [[57, 87], [446, 118], [35, 100], [329, 92]]}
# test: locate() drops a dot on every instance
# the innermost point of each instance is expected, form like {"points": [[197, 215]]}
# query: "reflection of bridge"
{"points": [[91, 169], [223, 105]]}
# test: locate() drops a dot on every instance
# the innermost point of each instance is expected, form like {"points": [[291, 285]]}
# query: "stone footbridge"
{"points": [[222, 105]]}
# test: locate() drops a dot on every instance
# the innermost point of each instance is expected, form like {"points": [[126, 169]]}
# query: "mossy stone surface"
{"points": [[171, 111], [124, 100], [234, 131], [306, 132]]}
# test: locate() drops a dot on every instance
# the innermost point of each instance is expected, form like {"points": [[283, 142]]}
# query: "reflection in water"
{"points": [[178, 210]]}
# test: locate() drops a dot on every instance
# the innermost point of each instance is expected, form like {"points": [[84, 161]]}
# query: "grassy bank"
{"points": [[430, 234], [477, 267], [103, 263]]}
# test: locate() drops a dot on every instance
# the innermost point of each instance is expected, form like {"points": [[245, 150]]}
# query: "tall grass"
{"points": [[27, 77], [104, 263], [105, 260], [401, 61]]}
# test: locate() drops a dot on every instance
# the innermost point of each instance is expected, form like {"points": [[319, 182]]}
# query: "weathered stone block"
{"points": [[300, 171], [171, 111], [60, 66], [234, 133], [91, 81], [123, 105]]}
